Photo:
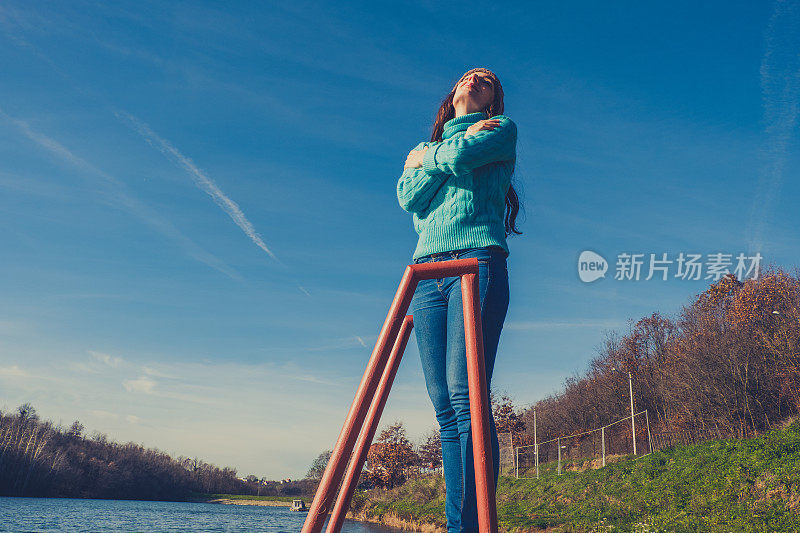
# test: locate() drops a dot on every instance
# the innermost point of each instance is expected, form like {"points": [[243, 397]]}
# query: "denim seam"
{"points": [[488, 283]]}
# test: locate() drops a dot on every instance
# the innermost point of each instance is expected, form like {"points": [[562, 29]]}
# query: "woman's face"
{"points": [[475, 91]]}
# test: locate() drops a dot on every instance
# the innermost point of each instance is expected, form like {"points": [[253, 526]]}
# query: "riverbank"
{"points": [[747, 485], [265, 503], [390, 520], [395, 521], [238, 499]]}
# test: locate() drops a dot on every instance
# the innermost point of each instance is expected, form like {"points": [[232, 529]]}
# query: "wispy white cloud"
{"points": [[201, 180], [106, 359], [291, 371], [148, 386], [311, 378], [150, 371], [13, 371], [143, 384], [780, 89], [98, 364], [127, 200], [99, 413], [340, 344], [83, 368]]}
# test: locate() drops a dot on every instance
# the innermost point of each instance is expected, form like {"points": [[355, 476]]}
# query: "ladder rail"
{"points": [[371, 425], [374, 389]]}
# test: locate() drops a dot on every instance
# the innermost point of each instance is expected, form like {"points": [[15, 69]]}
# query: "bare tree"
{"points": [[430, 452], [317, 468]]}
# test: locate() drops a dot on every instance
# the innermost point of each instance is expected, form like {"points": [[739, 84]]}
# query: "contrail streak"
{"points": [[780, 88], [200, 179], [131, 203], [165, 147]]}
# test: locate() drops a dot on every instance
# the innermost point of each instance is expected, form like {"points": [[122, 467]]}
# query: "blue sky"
{"points": [[201, 235]]}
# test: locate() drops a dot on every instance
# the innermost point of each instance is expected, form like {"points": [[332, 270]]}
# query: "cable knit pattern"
{"points": [[457, 197]]}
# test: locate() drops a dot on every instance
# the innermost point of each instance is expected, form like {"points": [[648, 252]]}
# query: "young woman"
{"points": [[458, 188]]}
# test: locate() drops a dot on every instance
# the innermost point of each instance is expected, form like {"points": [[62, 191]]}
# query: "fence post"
{"points": [[559, 455], [649, 437], [603, 443], [516, 462]]}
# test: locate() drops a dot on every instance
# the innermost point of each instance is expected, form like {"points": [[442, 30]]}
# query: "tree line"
{"points": [[728, 365], [38, 458]]}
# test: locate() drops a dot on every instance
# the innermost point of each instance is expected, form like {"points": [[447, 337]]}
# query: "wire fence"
{"points": [[593, 448], [508, 463], [665, 439], [579, 451]]}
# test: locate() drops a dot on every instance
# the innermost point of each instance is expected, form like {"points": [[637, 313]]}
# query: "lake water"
{"points": [[46, 515]]}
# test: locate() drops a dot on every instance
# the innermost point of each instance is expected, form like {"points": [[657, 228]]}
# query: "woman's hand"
{"points": [[488, 124], [414, 159]]}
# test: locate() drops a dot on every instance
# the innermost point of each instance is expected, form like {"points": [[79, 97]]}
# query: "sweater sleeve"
{"points": [[416, 188], [458, 155]]}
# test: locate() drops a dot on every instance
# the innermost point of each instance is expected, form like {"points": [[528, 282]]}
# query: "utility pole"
{"points": [[633, 424], [535, 444]]}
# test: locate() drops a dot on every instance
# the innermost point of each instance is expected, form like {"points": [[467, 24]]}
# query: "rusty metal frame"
{"points": [[365, 412]]}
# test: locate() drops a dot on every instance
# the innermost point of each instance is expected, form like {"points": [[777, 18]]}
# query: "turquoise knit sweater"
{"points": [[457, 197]]}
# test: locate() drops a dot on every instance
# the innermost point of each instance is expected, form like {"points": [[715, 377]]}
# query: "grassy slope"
{"points": [[717, 486]]}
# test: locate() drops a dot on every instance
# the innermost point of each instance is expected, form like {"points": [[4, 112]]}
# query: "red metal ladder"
{"points": [[374, 389]]}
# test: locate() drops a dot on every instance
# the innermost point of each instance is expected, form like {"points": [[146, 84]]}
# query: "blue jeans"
{"points": [[439, 328]]}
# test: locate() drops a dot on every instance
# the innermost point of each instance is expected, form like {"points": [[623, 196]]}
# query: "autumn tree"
{"points": [[767, 313], [389, 457], [76, 429]]}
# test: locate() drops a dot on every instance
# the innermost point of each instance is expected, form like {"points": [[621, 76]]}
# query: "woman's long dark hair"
{"points": [[447, 112]]}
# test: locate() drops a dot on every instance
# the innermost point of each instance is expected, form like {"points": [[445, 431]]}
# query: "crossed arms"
{"points": [[484, 142]]}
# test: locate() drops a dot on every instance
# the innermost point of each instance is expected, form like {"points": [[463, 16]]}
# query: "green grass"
{"points": [[720, 486], [419, 499]]}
